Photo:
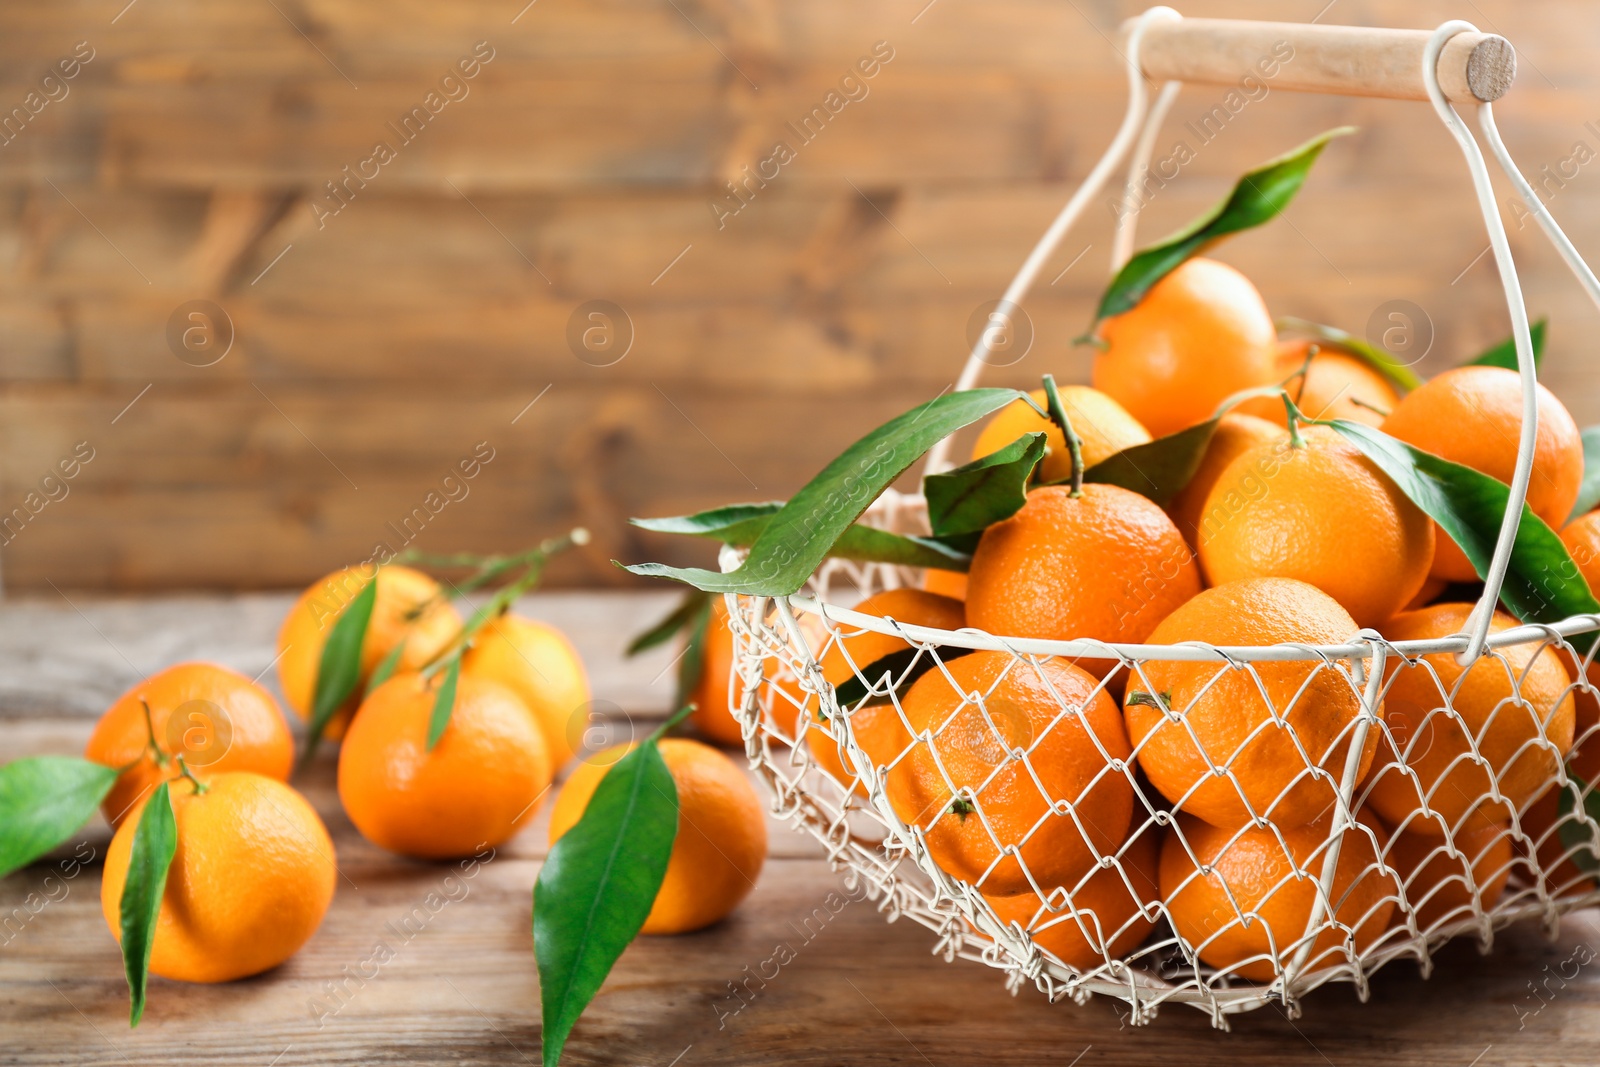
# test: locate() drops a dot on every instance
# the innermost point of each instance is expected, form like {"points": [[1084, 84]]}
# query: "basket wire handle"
{"points": [[1018, 289], [1478, 622], [1128, 212]]}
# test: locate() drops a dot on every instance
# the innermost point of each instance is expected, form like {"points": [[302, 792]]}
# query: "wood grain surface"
{"points": [[461, 987], [589, 159]]}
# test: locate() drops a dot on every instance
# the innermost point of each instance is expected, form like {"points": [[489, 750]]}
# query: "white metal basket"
{"points": [[792, 717]]}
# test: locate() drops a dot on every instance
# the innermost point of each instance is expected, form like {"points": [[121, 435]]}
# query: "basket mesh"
{"points": [[1025, 880]]}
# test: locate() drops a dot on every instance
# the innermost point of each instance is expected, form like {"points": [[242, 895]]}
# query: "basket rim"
{"points": [[1362, 644]]}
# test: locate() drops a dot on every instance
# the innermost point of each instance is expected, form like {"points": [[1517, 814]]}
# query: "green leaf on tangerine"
{"points": [[1504, 354], [1259, 196], [1381, 360], [1158, 469], [155, 840], [988, 490], [339, 669], [43, 801], [802, 533]]}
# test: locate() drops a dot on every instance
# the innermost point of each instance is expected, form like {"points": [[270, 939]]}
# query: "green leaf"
{"points": [[734, 524], [445, 702], [43, 801], [1258, 197], [1504, 354], [742, 524], [155, 840], [1589, 488], [692, 663], [1576, 837], [1158, 469], [598, 883], [1542, 583], [339, 670], [804, 531], [1379, 359], [680, 618], [386, 667], [903, 668], [991, 488]]}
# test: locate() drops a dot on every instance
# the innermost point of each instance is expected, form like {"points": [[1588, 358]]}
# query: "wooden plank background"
{"points": [[375, 349]]}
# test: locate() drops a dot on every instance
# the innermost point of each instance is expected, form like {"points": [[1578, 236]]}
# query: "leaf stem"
{"points": [[1295, 417], [504, 597], [185, 772], [672, 720], [1058, 415], [150, 733]]}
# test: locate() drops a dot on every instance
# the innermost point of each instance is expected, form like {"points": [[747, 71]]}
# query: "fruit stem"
{"points": [[184, 771], [1295, 440], [1358, 402], [1058, 415], [506, 595], [150, 733], [1304, 373]]}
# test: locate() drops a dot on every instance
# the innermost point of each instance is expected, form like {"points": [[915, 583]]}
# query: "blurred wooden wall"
{"points": [[375, 348]]}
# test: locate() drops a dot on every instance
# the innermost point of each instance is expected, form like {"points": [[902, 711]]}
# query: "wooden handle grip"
{"points": [[1347, 60]]}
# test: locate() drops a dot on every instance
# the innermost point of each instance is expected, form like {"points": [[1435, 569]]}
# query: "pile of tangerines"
{"points": [[254, 870], [1214, 786]]}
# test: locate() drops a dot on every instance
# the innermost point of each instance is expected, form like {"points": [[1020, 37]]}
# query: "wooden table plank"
{"points": [[461, 984]]}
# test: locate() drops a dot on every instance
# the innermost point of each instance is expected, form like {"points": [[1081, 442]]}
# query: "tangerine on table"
{"points": [[877, 726], [1185, 718], [1103, 426], [1201, 334], [536, 661], [1511, 711], [1102, 919], [1076, 753], [722, 832], [1235, 434], [1247, 913], [1442, 888], [250, 880], [1335, 385], [1106, 565], [481, 783], [1321, 513], [216, 719], [408, 606], [1473, 416]]}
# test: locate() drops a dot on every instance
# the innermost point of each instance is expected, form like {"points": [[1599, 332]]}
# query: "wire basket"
{"points": [[1407, 829]]}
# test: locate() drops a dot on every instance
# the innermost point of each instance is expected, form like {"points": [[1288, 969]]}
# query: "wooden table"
{"points": [[462, 988]]}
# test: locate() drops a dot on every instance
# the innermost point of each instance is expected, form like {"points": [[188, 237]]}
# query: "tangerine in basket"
{"points": [[1102, 918], [250, 879], [1007, 729], [952, 584], [1201, 334], [711, 695], [1267, 725], [1437, 885], [1247, 914], [1334, 385], [1473, 416], [536, 662], [1323, 513], [722, 832], [408, 607], [1507, 723], [1103, 425], [481, 783], [1582, 538], [216, 719], [1565, 866], [878, 729], [1235, 434], [1107, 565]]}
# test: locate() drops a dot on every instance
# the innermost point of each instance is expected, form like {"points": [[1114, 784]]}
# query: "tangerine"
{"points": [[1102, 425]]}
